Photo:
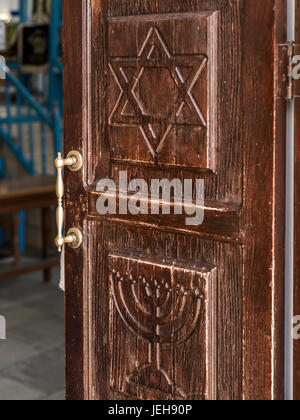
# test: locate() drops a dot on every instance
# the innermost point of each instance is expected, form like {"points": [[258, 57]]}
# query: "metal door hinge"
{"points": [[288, 82]]}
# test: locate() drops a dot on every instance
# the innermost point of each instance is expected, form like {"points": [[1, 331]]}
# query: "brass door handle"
{"points": [[73, 238]]}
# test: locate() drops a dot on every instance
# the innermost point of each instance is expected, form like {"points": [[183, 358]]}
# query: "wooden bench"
{"points": [[23, 194]]}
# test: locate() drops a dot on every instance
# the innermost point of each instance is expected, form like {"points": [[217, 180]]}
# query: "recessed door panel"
{"points": [[162, 89], [156, 110], [156, 327]]}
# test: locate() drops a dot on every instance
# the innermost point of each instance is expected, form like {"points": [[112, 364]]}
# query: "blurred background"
{"points": [[32, 355]]}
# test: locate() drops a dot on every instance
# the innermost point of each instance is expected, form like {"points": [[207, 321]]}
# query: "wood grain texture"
{"points": [[161, 246], [225, 185], [263, 209], [74, 44], [159, 120], [242, 236], [222, 187], [167, 308], [297, 225], [221, 222]]}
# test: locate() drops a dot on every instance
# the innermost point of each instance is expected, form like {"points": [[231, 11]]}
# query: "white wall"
{"points": [[8, 5]]}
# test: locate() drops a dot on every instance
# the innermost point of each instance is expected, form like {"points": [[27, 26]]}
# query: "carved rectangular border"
{"points": [[136, 278], [150, 140]]}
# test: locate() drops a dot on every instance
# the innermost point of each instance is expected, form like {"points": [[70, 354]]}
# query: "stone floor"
{"points": [[32, 356]]}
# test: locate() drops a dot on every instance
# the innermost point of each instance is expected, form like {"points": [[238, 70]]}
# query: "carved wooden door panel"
{"points": [[175, 89]]}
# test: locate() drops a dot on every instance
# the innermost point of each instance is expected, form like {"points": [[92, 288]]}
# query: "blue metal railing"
{"points": [[26, 125], [3, 173], [55, 65], [14, 116], [26, 110], [23, 10]]}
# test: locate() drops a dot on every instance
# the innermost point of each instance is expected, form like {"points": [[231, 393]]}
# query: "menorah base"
{"points": [[141, 384]]}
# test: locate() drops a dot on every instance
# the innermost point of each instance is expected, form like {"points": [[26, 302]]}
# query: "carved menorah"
{"points": [[163, 312]]}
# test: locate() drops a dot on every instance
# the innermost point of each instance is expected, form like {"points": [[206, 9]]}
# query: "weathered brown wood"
{"points": [[221, 185], [297, 224], [263, 254], [222, 222], [120, 94], [75, 131]]}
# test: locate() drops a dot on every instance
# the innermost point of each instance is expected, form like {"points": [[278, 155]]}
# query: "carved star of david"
{"points": [[128, 72]]}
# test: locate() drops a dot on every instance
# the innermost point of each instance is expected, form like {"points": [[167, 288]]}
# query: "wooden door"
{"points": [[165, 89]]}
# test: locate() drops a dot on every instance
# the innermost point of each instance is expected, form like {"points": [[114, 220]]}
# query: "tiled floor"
{"points": [[32, 356]]}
